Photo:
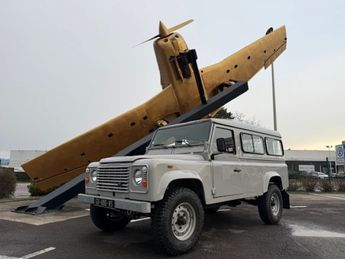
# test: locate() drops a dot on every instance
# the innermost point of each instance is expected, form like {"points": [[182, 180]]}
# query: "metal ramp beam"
{"points": [[56, 199]]}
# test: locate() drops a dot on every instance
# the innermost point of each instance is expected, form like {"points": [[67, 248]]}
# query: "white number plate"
{"points": [[104, 203]]}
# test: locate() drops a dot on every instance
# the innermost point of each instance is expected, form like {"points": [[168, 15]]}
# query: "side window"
{"points": [[247, 143], [252, 144], [228, 136], [274, 147], [258, 145]]}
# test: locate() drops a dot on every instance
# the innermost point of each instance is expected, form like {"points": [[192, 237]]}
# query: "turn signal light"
{"points": [[86, 180], [144, 183]]}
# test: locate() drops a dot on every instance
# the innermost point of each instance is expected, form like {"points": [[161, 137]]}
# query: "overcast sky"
{"points": [[68, 66]]}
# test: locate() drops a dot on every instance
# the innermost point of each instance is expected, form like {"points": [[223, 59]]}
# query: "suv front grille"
{"points": [[113, 177]]}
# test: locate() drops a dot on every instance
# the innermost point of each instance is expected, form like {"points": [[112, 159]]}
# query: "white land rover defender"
{"points": [[190, 169]]}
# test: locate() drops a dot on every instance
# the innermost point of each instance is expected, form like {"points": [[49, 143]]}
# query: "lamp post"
{"points": [[273, 90], [329, 159], [274, 100]]}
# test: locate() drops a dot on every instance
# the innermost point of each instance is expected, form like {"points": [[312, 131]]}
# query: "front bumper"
{"points": [[137, 206]]}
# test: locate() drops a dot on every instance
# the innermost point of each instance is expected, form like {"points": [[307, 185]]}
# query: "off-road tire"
{"points": [[162, 220], [269, 213], [102, 219]]}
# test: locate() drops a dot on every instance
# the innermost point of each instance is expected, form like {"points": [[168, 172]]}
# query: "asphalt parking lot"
{"points": [[313, 228]]}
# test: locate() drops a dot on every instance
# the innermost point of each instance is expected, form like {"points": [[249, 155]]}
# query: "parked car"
{"points": [[319, 175], [189, 169]]}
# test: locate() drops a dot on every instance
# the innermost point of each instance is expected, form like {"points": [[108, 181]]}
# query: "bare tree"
{"points": [[243, 118]]}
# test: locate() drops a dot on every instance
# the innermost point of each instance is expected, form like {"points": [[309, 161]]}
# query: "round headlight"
{"points": [[94, 175], [138, 177]]}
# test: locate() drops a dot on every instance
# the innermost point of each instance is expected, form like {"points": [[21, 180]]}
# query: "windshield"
{"points": [[181, 136]]}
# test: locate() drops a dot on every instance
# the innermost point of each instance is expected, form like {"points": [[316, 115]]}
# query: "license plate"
{"points": [[104, 203]]}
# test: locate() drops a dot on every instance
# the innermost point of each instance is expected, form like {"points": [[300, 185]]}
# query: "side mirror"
{"points": [[225, 145], [221, 146]]}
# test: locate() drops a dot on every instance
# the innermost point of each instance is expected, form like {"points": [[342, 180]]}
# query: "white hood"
{"points": [[196, 157]]}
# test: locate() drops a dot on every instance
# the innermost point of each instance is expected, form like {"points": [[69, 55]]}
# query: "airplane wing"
{"points": [[244, 64], [70, 159]]}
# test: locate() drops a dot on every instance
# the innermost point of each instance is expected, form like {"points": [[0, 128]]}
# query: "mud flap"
{"points": [[286, 200]]}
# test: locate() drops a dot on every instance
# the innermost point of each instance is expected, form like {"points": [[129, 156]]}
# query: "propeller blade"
{"points": [[172, 29], [154, 37], [164, 31]]}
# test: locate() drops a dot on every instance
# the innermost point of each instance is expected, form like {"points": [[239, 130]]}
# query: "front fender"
{"points": [[169, 177]]}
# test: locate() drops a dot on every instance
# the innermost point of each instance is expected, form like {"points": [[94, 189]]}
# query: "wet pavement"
{"points": [[313, 228]]}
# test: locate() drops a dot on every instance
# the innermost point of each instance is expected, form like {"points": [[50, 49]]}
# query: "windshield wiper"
{"points": [[183, 142], [162, 145]]}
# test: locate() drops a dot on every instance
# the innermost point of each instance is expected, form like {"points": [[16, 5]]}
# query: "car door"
{"points": [[253, 162], [226, 170]]}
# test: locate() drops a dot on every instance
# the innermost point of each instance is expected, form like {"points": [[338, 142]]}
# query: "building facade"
{"points": [[4, 161], [299, 161], [19, 157]]}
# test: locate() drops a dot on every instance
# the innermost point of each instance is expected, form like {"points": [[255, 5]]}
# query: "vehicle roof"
{"points": [[234, 124]]}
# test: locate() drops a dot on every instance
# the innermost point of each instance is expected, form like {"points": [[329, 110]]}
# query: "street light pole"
{"points": [[273, 90], [329, 159], [274, 100]]}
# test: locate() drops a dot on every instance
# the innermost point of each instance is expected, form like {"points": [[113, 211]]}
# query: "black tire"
{"points": [[108, 220], [270, 205], [212, 210], [183, 206]]}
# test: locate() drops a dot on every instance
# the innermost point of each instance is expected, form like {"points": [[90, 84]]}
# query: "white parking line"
{"points": [[43, 251], [298, 206], [142, 219]]}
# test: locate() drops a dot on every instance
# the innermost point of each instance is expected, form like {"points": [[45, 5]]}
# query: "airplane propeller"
{"points": [[164, 31]]}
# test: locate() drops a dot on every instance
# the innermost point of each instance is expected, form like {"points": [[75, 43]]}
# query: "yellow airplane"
{"points": [[183, 89]]}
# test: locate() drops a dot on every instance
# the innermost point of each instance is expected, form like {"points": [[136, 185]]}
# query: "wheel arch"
{"points": [[272, 177], [275, 178], [186, 179], [191, 183]]}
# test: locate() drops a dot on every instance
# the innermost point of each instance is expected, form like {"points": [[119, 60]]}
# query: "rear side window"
{"points": [[252, 144], [274, 147], [258, 145], [247, 143]]}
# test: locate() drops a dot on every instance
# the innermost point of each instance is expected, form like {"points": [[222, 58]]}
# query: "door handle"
{"points": [[237, 170]]}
